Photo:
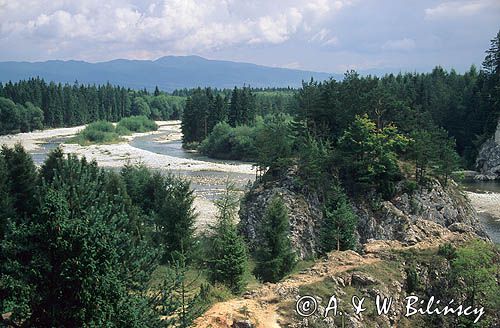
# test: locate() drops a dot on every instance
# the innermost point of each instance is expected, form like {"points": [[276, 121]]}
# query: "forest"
{"points": [[35, 104], [465, 105]]}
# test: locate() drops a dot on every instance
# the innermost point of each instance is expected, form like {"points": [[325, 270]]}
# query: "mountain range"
{"points": [[168, 73]]}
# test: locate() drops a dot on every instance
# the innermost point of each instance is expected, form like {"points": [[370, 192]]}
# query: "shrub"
{"points": [[226, 142], [135, 124], [97, 132]]}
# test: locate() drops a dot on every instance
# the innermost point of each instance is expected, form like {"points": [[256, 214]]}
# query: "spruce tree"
{"points": [[227, 255], [274, 255], [339, 223], [23, 179], [63, 269], [174, 216], [6, 210]]}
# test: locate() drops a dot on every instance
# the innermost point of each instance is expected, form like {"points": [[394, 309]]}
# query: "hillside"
{"points": [[168, 73]]}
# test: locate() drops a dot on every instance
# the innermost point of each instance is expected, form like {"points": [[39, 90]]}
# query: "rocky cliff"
{"points": [[386, 268], [381, 220], [488, 159]]}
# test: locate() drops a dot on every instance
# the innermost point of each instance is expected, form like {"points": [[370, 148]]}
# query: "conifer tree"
{"points": [[339, 223], [274, 255], [23, 179], [174, 216], [227, 255], [93, 273], [6, 210]]}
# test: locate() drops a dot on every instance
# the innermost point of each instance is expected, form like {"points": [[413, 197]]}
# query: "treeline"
{"points": [[466, 106], [241, 106], [69, 105]]}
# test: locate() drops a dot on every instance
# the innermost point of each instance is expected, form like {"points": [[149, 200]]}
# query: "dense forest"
{"points": [[465, 105], [81, 246], [35, 104]]}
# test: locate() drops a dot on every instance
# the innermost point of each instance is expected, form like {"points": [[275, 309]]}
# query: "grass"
{"points": [[103, 132]]}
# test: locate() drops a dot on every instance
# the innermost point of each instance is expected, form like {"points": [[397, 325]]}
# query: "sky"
{"points": [[319, 35]]}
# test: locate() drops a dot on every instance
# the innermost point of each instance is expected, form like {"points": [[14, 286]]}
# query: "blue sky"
{"points": [[320, 35]]}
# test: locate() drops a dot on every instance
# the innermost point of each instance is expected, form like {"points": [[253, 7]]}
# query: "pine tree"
{"points": [[174, 216], [339, 223], [93, 275], [274, 255], [23, 179], [227, 255], [6, 210]]}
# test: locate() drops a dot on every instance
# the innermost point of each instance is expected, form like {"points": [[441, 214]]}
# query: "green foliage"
{"points": [[6, 209], [135, 124], [227, 254], [274, 143], [83, 255], [140, 107], [99, 132], [412, 279], [339, 223], [174, 216], [167, 201], [242, 110], [21, 178], [103, 132], [475, 271], [73, 263], [433, 152], [314, 160], [367, 156], [203, 111], [226, 142], [38, 104], [274, 255], [18, 118], [448, 251]]}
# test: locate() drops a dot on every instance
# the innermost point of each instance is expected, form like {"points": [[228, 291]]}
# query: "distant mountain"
{"points": [[168, 73]]}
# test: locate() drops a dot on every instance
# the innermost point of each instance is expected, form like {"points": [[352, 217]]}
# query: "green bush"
{"points": [[135, 124], [226, 142], [96, 133], [102, 132]]}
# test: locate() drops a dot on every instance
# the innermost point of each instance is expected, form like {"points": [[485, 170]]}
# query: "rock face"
{"points": [[488, 159], [395, 219], [304, 210], [398, 219]]}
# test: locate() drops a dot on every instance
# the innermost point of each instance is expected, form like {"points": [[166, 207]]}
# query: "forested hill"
{"points": [[168, 73]]}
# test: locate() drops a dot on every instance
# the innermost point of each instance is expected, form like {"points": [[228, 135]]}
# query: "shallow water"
{"points": [[210, 184], [207, 184], [481, 186], [491, 223]]}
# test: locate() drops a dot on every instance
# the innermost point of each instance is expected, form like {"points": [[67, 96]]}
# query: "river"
{"points": [[162, 150]]}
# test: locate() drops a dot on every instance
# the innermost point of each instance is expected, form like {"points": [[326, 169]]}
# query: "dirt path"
{"points": [[261, 306]]}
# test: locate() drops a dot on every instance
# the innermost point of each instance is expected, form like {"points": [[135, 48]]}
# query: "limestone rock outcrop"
{"points": [[488, 159], [399, 218]]}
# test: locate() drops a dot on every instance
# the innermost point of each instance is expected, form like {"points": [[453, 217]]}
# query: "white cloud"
{"points": [[399, 45], [452, 9], [161, 26]]}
